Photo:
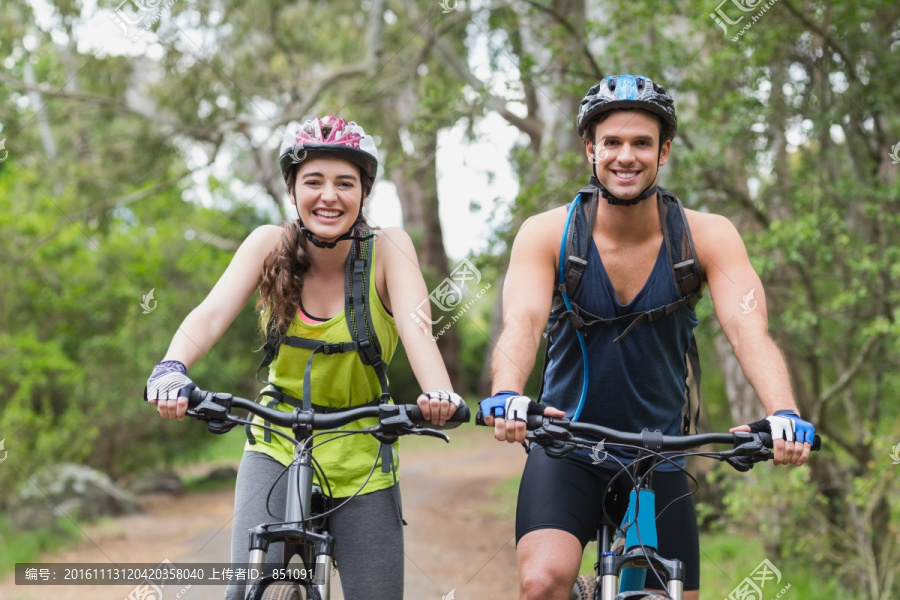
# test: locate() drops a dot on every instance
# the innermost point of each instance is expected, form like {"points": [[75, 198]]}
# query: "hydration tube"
{"points": [[565, 297]]}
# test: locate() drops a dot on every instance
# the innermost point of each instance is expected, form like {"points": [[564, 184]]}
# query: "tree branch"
{"points": [[847, 376], [135, 196], [366, 66], [717, 183], [577, 35], [532, 127]]}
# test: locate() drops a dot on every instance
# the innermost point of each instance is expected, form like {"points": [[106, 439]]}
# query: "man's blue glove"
{"points": [[786, 425], [509, 405]]}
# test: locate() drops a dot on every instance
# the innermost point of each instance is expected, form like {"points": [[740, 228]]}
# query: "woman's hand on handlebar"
{"points": [[439, 405], [164, 389], [506, 412]]}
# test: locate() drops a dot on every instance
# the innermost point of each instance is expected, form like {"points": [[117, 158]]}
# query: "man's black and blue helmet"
{"points": [[628, 92]]}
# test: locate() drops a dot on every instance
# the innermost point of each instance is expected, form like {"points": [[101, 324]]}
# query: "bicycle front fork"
{"points": [[323, 549], [611, 565], [297, 537]]}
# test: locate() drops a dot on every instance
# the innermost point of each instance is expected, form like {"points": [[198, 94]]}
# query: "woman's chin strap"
{"points": [[348, 235]]}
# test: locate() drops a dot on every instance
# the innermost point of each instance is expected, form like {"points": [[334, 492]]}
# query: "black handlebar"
{"points": [[646, 439], [217, 406]]}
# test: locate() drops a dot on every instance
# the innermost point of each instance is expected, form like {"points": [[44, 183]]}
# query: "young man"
{"points": [[627, 124]]}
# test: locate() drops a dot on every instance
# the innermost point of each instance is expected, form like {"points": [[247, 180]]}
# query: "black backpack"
{"points": [[686, 273]]}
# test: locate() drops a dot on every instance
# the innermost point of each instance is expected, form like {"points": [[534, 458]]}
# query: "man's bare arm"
{"points": [[527, 296], [740, 304]]}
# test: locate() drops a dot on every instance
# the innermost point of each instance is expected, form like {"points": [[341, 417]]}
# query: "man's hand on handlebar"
{"points": [[506, 412], [792, 436]]}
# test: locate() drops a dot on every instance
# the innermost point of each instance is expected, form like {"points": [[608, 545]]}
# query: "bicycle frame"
{"points": [[314, 545], [640, 519], [301, 536], [628, 572]]}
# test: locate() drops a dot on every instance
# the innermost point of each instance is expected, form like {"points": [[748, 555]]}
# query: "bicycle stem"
{"points": [[300, 475]]}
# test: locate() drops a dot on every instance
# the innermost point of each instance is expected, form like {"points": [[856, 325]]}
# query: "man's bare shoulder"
{"points": [[546, 225], [716, 239], [710, 227]]}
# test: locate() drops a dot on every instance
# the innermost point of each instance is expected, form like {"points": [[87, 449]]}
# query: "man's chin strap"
{"points": [[649, 191]]}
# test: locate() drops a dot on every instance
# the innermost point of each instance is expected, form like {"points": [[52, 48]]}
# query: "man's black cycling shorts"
{"points": [[567, 494]]}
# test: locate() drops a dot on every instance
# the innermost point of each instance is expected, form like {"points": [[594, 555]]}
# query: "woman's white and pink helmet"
{"points": [[329, 136]]}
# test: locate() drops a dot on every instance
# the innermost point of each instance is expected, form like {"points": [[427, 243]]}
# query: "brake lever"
{"points": [[547, 433], [748, 451], [391, 428], [217, 417], [556, 441], [209, 410], [430, 432]]}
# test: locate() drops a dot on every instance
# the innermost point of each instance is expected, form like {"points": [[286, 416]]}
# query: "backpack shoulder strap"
{"points": [[576, 243], [359, 320], [688, 277], [686, 270], [578, 239], [358, 311]]}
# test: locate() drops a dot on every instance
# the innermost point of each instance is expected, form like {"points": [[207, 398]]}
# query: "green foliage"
{"points": [[786, 131], [29, 546]]}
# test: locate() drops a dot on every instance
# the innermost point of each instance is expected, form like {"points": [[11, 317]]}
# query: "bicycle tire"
{"points": [[287, 591], [585, 588]]}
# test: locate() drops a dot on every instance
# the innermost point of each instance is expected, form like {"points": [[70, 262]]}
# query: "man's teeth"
{"points": [[624, 175]]}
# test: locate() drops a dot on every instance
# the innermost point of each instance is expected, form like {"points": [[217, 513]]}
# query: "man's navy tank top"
{"points": [[636, 384]]}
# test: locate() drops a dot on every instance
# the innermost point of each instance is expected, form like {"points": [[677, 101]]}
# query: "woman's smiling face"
{"points": [[327, 193]]}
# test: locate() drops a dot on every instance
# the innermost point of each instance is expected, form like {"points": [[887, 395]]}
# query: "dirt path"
{"points": [[455, 539]]}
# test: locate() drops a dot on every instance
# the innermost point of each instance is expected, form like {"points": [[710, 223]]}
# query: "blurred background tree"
{"points": [[140, 147]]}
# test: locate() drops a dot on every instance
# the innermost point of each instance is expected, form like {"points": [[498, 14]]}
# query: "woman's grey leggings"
{"points": [[368, 531]]}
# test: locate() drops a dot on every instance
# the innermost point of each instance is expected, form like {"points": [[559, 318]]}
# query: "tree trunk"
{"points": [[416, 183], [742, 399]]}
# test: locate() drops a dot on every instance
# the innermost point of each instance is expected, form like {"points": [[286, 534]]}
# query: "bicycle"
{"points": [[624, 559], [304, 530]]}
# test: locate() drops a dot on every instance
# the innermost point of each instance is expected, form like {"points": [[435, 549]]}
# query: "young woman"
{"points": [[303, 272]]}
